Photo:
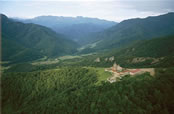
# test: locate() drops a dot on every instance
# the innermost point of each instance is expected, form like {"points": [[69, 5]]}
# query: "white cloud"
{"points": [[116, 10]]}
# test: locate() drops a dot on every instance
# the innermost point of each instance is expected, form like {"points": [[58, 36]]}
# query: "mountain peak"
{"points": [[170, 13], [131, 30], [3, 16]]}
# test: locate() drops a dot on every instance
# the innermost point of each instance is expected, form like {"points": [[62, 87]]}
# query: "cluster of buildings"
{"points": [[119, 72]]}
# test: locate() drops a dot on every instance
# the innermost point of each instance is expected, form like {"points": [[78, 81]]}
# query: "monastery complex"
{"points": [[118, 72]]}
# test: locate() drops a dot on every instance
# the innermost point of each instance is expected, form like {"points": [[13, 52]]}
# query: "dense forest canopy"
{"points": [[74, 90]]}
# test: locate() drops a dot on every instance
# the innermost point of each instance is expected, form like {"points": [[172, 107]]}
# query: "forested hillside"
{"points": [[132, 30], [157, 47], [26, 42], [75, 28], [74, 90], [156, 52]]}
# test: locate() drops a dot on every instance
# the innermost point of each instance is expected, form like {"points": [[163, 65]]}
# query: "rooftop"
{"points": [[134, 71]]}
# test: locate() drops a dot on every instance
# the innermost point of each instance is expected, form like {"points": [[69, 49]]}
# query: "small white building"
{"points": [[117, 67]]}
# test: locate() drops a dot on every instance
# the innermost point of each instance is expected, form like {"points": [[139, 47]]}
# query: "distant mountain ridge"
{"points": [[75, 28], [25, 42], [132, 30]]}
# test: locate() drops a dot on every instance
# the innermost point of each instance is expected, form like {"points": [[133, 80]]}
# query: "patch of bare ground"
{"points": [[150, 70]]}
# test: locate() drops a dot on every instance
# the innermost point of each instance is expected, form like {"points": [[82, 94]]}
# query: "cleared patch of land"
{"points": [[92, 45], [45, 62], [68, 57], [4, 68], [4, 62], [150, 70], [101, 74]]}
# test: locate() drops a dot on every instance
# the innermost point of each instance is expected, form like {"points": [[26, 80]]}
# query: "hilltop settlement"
{"points": [[118, 72]]}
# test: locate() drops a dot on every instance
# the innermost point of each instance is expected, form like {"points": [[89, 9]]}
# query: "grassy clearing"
{"points": [[3, 68], [48, 62], [73, 57], [101, 74], [45, 61], [92, 45], [68, 57], [4, 62]]}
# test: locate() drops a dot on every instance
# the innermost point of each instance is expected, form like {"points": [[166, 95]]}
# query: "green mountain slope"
{"points": [[156, 52], [29, 41], [157, 47], [75, 28], [135, 29]]}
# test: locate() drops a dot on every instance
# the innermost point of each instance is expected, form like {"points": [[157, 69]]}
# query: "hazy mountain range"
{"points": [[24, 42], [28, 41], [75, 28], [132, 30]]}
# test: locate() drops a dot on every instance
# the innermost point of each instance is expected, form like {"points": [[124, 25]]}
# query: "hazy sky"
{"points": [[115, 10]]}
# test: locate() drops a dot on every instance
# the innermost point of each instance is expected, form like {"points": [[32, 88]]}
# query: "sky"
{"points": [[114, 10]]}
